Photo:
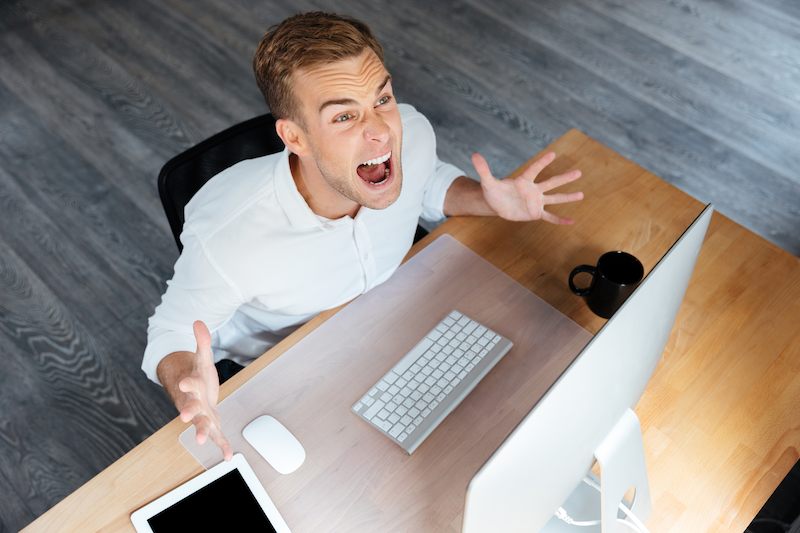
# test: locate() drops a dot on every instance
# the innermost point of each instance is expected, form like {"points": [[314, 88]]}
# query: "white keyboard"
{"points": [[429, 382]]}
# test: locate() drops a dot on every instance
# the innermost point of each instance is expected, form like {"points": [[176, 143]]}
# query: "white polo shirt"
{"points": [[257, 262]]}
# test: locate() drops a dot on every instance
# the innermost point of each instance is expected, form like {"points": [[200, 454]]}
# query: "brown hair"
{"points": [[302, 41]]}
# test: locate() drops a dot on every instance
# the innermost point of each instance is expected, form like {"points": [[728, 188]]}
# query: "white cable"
{"points": [[635, 524], [562, 515], [639, 526]]}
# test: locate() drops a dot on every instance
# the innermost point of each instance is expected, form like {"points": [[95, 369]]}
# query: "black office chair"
{"points": [[184, 175]]}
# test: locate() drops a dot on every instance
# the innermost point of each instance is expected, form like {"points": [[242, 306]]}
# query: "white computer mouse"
{"points": [[275, 444]]}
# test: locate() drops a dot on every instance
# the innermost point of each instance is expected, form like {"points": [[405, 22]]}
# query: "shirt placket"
{"points": [[366, 254]]}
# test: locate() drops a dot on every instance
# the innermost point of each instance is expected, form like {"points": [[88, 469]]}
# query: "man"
{"points": [[273, 241]]}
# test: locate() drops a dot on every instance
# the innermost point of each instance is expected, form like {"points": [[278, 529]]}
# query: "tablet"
{"points": [[225, 495]]}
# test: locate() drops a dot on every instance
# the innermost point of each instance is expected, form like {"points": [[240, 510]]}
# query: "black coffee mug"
{"points": [[613, 279]]}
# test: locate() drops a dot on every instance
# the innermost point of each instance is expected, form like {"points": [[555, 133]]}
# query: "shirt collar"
{"points": [[291, 201]]}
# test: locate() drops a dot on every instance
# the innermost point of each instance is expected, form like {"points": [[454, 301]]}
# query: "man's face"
{"points": [[353, 130]]}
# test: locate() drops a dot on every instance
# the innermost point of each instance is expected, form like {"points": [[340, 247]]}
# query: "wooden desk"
{"points": [[721, 416]]}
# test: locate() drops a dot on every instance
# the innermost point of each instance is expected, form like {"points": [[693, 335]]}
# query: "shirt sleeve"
{"points": [[444, 175], [198, 290]]}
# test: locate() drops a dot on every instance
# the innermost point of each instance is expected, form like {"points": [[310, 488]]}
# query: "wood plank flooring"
{"points": [[95, 96]]}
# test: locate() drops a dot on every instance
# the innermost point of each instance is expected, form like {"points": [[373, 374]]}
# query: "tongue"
{"points": [[372, 173]]}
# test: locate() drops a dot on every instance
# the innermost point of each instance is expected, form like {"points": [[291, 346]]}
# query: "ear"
{"points": [[293, 136]]}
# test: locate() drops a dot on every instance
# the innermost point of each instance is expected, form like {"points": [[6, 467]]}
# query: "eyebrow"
{"points": [[349, 101]]}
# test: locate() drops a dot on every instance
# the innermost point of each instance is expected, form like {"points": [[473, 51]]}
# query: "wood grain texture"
{"points": [[719, 417], [96, 96]]}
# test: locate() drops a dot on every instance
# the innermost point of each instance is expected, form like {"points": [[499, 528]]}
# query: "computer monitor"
{"points": [[586, 414]]}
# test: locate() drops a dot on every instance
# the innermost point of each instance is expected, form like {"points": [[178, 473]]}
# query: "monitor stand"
{"points": [[621, 460]]}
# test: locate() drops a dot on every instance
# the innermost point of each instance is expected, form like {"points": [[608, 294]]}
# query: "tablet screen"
{"points": [[214, 507]]}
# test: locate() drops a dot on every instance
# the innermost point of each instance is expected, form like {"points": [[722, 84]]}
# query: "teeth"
{"points": [[378, 159]]}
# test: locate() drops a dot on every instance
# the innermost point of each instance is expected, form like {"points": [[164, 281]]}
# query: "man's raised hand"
{"points": [[523, 199]]}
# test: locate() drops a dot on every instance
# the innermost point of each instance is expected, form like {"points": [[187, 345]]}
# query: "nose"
{"points": [[375, 128]]}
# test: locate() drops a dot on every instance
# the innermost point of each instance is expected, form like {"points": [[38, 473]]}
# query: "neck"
{"points": [[321, 198]]}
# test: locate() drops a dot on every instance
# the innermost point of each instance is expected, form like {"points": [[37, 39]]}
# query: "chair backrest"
{"points": [[184, 175]]}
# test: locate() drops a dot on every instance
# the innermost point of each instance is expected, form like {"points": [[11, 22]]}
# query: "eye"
{"points": [[344, 117], [385, 99]]}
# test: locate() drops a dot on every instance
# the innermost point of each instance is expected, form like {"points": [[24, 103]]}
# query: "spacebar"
{"points": [[412, 356]]}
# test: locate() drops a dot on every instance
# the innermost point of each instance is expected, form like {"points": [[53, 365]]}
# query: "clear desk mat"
{"points": [[354, 478]]}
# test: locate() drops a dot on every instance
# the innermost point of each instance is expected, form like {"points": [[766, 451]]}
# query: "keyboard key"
{"points": [[373, 410], [395, 431]]}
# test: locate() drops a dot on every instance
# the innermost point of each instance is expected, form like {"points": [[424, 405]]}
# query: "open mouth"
{"points": [[376, 172]]}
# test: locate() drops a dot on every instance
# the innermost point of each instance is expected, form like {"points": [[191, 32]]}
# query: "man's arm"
{"points": [[465, 197], [191, 380], [520, 198], [199, 292]]}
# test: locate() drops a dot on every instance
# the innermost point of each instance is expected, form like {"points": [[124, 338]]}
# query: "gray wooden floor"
{"points": [[95, 96]]}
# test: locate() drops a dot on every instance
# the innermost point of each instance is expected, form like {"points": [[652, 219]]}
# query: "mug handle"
{"points": [[577, 270]]}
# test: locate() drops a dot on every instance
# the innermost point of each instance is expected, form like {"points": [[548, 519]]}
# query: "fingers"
{"points": [[206, 427], [555, 219], [219, 439], [190, 410], [558, 181], [482, 167], [548, 199], [537, 166], [203, 338]]}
